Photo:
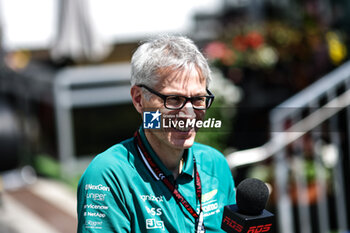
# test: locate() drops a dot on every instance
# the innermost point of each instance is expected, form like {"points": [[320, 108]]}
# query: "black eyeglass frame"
{"points": [[208, 102]]}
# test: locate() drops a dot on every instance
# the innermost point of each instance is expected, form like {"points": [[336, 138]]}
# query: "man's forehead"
{"points": [[184, 76]]}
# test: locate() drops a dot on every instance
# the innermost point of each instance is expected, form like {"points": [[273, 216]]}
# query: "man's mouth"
{"points": [[182, 128]]}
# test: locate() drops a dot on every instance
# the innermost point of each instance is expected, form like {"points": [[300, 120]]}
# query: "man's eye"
{"points": [[198, 100], [174, 100]]}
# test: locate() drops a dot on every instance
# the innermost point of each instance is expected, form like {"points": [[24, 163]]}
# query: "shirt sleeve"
{"points": [[231, 197], [101, 203], [229, 182]]}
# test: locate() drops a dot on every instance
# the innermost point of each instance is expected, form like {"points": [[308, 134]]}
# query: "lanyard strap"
{"points": [[158, 174]]}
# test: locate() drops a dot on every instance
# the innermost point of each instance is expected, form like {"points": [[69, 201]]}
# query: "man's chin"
{"points": [[182, 142]]}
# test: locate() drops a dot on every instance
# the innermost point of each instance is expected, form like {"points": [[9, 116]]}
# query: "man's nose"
{"points": [[187, 111]]}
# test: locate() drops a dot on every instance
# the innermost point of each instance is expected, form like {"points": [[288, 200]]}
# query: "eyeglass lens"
{"points": [[179, 102]]}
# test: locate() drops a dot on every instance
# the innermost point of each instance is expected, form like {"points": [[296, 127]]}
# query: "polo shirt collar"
{"points": [[188, 167]]}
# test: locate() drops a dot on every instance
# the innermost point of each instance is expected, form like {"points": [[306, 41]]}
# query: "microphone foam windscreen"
{"points": [[252, 195]]}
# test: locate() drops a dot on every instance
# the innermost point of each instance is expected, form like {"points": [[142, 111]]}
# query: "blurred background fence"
{"points": [[306, 161]]}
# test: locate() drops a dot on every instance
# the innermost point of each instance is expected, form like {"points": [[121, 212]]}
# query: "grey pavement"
{"points": [[47, 206]]}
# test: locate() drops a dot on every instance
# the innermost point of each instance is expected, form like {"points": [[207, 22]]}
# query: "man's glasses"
{"points": [[175, 102]]}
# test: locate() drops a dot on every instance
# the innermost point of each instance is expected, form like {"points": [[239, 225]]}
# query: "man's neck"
{"points": [[170, 157]]}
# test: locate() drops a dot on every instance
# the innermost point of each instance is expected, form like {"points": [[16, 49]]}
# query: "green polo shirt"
{"points": [[117, 193]]}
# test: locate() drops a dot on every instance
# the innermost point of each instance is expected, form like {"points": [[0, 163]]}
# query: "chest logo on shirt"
{"points": [[208, 196], [152, 223], [151, 198], [210, 204]]}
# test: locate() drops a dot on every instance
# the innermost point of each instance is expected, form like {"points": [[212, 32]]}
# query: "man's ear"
{"points": [[136, 96]]}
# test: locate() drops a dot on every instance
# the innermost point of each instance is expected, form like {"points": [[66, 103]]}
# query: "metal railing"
{"points": [[309, 148], [85, 87]]}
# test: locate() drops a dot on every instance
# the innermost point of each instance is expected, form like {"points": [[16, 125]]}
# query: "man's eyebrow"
{"points": [[180, 94]]}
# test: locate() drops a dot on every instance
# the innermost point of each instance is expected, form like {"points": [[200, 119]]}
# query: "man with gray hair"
{"points": [[160, 180]]}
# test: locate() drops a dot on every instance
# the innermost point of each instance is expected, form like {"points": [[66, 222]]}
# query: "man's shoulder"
{"points": [[212, 164], [208, 152], [199, 147], [114, 157]]}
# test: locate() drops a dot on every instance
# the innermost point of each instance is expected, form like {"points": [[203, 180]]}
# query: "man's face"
{"points": [[187, 83]]}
